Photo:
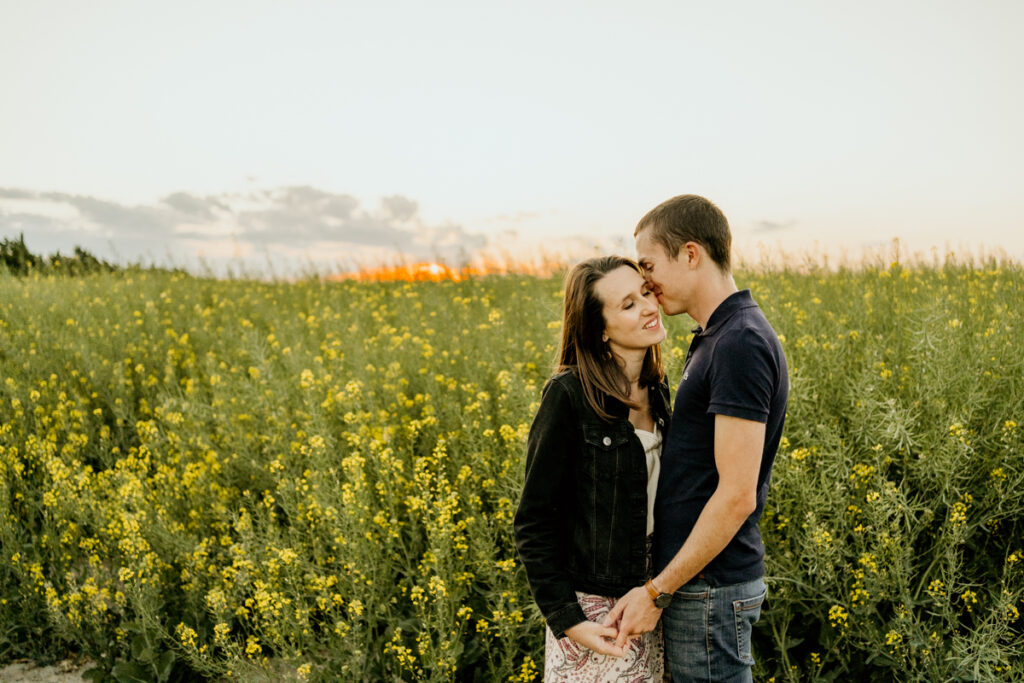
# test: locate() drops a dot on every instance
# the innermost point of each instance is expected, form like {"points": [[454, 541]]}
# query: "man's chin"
{"points": [[668, 308]]}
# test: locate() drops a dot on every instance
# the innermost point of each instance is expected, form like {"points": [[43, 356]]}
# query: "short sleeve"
{"points": [[743, 376]]}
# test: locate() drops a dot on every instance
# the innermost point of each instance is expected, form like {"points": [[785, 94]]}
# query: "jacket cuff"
{"points": [[565, 618]]}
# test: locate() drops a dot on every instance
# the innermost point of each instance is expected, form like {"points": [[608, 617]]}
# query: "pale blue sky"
{"points": [[845, 123]]}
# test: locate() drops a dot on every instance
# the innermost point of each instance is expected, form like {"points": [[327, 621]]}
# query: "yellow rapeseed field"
{"points": [[241, 480]]}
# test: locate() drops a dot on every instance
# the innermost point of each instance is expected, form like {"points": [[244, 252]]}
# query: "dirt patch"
{"points": [[25, 671]]}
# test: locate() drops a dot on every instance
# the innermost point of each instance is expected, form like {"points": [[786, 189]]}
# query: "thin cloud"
{"points": [[400, 208], [200, 208], [285, 218], [13, 223], [773, 226]]}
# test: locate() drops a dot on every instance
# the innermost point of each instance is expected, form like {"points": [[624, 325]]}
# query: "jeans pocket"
{"points": [[746, 613]]}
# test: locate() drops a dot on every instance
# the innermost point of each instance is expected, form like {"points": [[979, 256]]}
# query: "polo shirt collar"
{"points": [[736, 301]]}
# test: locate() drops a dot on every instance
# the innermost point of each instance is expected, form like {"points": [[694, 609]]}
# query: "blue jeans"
{"points": [[707, 631]]}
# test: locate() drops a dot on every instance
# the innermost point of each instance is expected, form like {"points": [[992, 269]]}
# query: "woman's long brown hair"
{"points": [[582, 349]]}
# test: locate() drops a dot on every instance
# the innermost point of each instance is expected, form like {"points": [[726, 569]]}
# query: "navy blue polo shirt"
{"points": [[734, 367]]}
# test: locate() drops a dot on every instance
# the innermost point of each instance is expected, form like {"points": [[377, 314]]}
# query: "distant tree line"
{"points": [[16, 259]]}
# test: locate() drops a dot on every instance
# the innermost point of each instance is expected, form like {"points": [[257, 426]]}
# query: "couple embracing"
{"points": [[638, 521]]}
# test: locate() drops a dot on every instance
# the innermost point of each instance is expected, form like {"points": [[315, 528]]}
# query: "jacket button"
{"points": [[607, 441]]}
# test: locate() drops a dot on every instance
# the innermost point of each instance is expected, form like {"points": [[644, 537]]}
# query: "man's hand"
{"points": [[633, 615], [597, 637]]}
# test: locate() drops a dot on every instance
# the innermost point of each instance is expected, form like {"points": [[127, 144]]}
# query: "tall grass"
{"points": [[315, 480]]}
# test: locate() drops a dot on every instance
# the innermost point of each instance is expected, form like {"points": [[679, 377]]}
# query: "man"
{"points": [[717, 458]]}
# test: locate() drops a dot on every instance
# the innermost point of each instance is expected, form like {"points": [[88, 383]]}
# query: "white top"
{"points": [[651, 442]]}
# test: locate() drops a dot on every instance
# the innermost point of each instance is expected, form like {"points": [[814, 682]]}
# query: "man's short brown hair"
{"points": [[689, 218]]}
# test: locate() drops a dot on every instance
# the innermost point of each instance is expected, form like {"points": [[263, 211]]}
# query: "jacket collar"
{"points": [[736, 301], [658, 397]]}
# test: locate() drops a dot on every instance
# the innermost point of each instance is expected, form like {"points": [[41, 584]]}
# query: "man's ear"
{"points": [[693, 254]]}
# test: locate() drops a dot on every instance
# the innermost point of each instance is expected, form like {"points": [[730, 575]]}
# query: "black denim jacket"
{"points": [[581, 524]]}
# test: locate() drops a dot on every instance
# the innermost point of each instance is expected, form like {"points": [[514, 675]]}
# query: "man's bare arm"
{"points": [[739, 444]]}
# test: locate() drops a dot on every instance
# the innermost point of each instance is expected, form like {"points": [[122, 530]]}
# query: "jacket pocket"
{"points": [[602, 492], [605, 450]]}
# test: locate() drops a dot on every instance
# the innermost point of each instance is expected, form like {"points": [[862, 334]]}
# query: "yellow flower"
{"points": [[252, 647], [958, 514], [187, 635], [437, 587], [220, 633], [527, 671], [838, 616], [405, 656], [868, 560]]}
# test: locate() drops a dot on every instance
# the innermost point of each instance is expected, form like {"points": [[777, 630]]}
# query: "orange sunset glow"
{"points": [[432, 271]]}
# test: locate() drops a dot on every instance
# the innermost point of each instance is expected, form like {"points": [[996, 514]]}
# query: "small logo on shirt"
{"points": [[686, 375]]}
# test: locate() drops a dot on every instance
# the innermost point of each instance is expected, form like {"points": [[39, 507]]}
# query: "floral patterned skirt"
{"points": [[564, 660]]}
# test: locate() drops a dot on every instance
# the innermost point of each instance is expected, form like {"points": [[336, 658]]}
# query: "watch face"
{"points": [[663, 600]]}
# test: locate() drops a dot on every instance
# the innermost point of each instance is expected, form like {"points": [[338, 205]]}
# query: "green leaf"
{"points": [[95, 674], [141, 652], [881, 659], [164, 665], [127, 672]]}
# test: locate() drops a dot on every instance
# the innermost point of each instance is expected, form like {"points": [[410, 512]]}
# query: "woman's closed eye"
{"points": [[629, 304]]}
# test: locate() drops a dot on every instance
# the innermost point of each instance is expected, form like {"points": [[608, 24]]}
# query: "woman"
{"points": [[586, 512]]}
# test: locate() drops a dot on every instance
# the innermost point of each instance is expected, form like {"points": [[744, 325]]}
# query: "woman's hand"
{"points": [[600, 639], [633, 614]]}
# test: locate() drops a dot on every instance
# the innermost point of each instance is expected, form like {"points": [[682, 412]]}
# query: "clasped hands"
{"points": [[632, 615]]}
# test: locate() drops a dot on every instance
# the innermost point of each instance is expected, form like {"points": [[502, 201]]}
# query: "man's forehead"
{"points": [[646, 248]]}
